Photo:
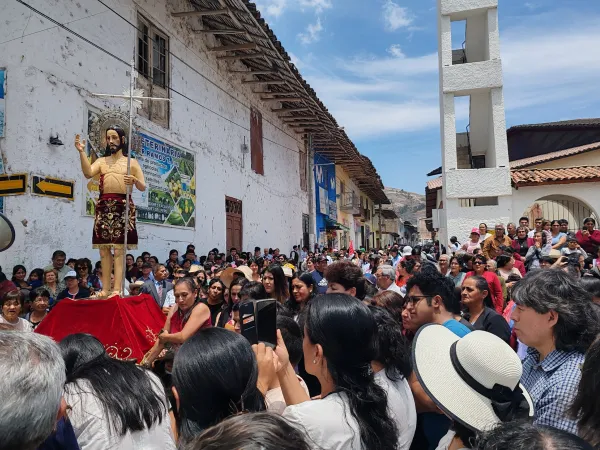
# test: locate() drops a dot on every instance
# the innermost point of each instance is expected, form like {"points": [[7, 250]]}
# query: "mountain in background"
{"points": [[408, 205]]}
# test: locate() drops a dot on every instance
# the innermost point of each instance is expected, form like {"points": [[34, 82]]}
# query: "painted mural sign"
{"points": [[170, 196], [170, 174], [2, 99]]}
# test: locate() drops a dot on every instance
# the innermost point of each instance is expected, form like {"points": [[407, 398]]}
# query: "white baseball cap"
{"points": [[407, 251], [70, 274]]}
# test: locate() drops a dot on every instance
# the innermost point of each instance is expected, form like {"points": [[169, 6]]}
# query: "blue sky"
{"points": [[374, 65]]}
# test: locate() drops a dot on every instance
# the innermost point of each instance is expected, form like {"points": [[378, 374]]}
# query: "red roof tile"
{"points": [[536, 177], [434, 184], [525, 162]]}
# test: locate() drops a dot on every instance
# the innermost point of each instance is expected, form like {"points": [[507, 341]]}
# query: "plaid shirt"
{"points": [[553, 385]]}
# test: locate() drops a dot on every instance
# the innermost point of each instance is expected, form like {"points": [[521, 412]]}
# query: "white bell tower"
{"points": [[475, 167]]}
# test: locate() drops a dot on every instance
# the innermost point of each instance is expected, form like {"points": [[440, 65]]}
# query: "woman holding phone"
{"points": [[352, 411]]}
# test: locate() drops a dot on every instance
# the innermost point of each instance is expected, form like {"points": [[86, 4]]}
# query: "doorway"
{"points": [[233, 217]]}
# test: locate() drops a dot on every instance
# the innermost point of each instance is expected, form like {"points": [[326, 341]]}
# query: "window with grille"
{"points": [[159, 60], [153, 70]]}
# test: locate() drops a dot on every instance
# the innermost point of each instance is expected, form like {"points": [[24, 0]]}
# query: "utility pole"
{"points": [[380, 234], [311, 193]]}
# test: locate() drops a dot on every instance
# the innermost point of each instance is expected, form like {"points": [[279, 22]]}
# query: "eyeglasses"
{"points": [[477, 263], [413, 300]]}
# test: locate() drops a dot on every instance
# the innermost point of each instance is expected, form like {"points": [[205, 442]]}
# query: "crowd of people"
{"points": [[487, 344]]}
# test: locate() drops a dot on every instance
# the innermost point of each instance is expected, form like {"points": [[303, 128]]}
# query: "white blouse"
{"points": [[21, 325], [401, 405], [326, 423], [330, 425]]}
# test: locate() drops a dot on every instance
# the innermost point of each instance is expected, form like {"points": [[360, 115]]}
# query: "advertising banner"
{"points": [[170, 175]]}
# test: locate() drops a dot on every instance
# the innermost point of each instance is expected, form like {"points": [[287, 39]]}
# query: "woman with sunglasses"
{"points": [[86, 279], [480, 269]]}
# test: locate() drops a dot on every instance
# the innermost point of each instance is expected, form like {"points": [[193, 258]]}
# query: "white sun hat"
{"points": [[473, 380]]}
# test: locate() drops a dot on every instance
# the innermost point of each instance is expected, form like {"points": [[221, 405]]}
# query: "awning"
{"points": [[333, 225]]}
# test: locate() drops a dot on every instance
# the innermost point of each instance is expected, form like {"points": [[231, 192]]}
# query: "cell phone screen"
{"points": [[248, 322], [266, 313]]}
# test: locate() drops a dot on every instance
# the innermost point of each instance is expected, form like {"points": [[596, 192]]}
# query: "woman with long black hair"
{"points": [[275, 283], [392, 369], [353, 410], [220, 309], [214, 376], [114, 404], [303, 291]]}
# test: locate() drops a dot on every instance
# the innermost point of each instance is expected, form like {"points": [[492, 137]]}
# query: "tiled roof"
{"points": [[243, 33], [593, 122], [520, 163], [537, 177], [434, 184]]}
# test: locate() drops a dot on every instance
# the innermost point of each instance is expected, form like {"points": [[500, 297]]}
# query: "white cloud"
{"points": [[317, 5], [313, 32], [395, 16], [376, 96], [271, 8], [396, 51], [531, 6]]}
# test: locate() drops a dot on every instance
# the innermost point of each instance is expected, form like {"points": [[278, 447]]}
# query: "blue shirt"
{"points": [[553, 385], [320, 281], [457, 328]]}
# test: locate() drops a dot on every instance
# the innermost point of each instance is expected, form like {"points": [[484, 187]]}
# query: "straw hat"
{"points": [[473, 380], [247, 271], [194, 269], [231, 273]]}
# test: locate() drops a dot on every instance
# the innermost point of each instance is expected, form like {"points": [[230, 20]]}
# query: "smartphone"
{"points": [[248, 322], [258, 321], [266, 313]]}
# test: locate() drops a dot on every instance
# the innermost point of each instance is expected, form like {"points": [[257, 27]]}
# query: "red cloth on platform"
{"points": [[126, 326]]}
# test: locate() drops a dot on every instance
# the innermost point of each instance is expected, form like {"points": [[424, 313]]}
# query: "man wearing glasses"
{"points": [[431, 299], [491, 247]]}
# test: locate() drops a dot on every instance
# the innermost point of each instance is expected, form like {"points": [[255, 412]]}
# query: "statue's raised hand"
{"points": [[79, 144]]}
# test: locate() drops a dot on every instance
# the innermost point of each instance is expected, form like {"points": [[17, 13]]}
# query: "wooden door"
{"points": [[233, 218]]}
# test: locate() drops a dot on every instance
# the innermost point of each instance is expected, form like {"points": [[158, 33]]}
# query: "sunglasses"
{"points": [[478, 263]]}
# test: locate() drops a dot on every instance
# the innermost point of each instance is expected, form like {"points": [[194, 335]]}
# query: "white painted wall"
{"points": [[481, 79], [524, 197], [50, 76]]}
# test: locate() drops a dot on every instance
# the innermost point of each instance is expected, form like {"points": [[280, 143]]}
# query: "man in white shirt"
{"points": [[386, 277], [538, 227]]}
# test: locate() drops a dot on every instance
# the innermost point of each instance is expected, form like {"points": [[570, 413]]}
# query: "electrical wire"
{"points": [[51, 28], [103, 50], [189, 66]]}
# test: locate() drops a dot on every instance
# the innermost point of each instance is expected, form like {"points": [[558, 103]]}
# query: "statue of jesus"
{"points": [[109, 222]]}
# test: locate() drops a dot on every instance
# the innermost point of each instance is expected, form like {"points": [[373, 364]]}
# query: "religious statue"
{"points": [[109, 222]]}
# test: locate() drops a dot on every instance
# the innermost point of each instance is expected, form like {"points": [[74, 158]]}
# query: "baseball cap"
{"points": [[407, 251], [70, 274], [475, 230]]}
